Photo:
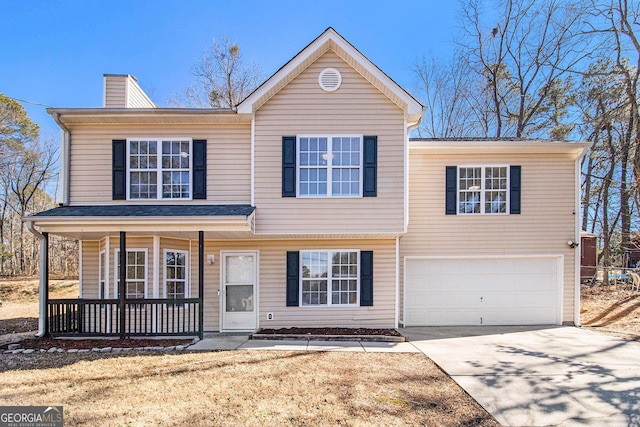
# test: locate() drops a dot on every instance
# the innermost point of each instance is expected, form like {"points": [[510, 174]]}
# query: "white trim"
{"points": [[577, 228], [256, 293], [156, 267], [116, 252], [80, 266], [102, 273], [559, 264], [253, 159], [447, 146], [329, 166], [329, 303], [159, 169], [483, 190], [187, 283], [406, 174], [107, 281]]}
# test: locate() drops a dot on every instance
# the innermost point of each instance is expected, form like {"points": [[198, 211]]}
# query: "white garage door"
{"points": [[483, 291]]}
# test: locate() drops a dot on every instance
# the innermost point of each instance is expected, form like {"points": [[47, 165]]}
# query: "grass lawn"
{"points": [[240, 388]]}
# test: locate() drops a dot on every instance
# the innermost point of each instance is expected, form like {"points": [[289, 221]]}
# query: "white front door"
{"points": [[239, 291]]}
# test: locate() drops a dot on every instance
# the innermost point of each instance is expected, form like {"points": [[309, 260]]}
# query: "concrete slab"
{"points": [[540, 376], [389, 347], [353, 346], [292, 345], [220, 342]]}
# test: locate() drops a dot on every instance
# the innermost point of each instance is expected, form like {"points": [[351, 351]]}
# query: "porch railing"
{"points": [[142, 317]]}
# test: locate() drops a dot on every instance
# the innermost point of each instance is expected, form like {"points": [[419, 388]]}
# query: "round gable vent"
{"points": [[330, 79]]}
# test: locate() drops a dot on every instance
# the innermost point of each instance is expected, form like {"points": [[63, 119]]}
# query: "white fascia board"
{"points": [[478, 147]]}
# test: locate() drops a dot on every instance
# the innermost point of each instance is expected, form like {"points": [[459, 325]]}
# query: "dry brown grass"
{"points": [[614, 310], [248, 388]]}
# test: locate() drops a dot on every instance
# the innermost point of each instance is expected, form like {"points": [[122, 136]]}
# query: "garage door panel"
{"points": [[496, 291]]}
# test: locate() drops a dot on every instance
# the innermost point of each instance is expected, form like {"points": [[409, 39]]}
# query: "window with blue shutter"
{"points": [[370, 164], [199, 168], [119, 169], [288, 166], [493, 189], [293, 278]]}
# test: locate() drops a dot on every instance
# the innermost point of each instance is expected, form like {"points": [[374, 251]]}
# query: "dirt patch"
{"points": [[331, 331], [614, 310], [19, 325], [68, 344]]}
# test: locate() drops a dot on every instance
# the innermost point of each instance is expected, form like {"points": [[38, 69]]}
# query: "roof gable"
{"points": [[331, 40]]}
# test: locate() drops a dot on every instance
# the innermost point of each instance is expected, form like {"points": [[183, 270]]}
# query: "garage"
{"points": [[496, 290]]}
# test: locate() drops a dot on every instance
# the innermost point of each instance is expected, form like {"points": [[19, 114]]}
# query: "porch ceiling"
{"points": [[181, 221]]}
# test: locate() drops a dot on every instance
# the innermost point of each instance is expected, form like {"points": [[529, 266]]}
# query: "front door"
{"points": [[238, 293]]}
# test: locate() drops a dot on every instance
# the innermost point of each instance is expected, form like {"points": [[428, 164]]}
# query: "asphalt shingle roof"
{"points": [[148, 211]]}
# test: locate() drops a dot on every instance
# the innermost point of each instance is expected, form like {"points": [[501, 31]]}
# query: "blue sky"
{"points": [[55, 52]]}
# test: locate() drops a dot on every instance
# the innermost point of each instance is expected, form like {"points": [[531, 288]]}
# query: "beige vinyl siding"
{"points": [[272, 285], [90, 269], [302, 107], [546, 222], [115, 91], [271, 280], [122, 91], [136, 96], [228, 160]]}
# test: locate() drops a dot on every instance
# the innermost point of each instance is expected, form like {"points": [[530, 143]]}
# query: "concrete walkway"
{"points": [[560, 376], [242, 342]]}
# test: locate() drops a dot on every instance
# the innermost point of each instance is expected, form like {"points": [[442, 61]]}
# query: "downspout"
{"points": [[66, 146], [397, 282], [43, 285]]}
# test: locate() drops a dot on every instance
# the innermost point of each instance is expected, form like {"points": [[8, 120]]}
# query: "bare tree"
{"points": [[523, 59], [222, 79], [447, 90]]}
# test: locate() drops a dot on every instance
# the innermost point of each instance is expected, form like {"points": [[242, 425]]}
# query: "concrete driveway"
{"points": [[560, 376]]}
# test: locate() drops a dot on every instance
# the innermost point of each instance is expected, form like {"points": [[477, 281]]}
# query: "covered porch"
{"points": [[130, 308]]}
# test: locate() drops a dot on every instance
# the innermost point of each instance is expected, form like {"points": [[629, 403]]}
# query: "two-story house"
{"points": [[308, 205]]}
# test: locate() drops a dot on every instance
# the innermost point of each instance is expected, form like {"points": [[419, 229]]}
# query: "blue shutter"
{"points": [[119, 167], [199, 169], [370, 163], [366, 278], [288, 166], [293, 278], [514, 196], [451, 189]]}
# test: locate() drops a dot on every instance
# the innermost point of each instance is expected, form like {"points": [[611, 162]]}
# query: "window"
{"points": [[483, 190], [102, 273], [330, 166], [136, 273], [329, 277], [159, 169], [175, 276]]}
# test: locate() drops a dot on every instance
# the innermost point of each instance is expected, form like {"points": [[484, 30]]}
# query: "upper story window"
{"points": [[330, 166], [159, 168], [483, 190], [493, 189]]}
